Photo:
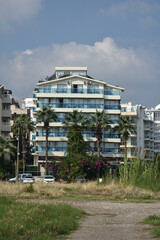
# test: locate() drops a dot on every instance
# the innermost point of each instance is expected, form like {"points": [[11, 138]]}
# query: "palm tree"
{"points": [[46, 115], [125, 127], [22, 126], [6, 147], [99, 122], [74, 122]]}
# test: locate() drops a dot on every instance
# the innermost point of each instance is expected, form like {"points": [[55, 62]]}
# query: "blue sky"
{"points": [[118, 40]]}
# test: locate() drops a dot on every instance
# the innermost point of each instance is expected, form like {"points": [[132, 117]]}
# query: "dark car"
{"points": [[80, 179]]}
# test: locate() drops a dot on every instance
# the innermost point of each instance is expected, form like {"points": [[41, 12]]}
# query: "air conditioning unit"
{"points": [[90, 82]]}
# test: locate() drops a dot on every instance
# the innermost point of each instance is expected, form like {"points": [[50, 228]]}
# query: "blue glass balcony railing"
{"points": [[111, 135], [33, 137], [71, 105], [113, 121], [52, 134], [89, 135], [51, 149], [60, 120], [64, 149], [86, 135], [112, 150], [112, 92], [74, 90], [112, 107], [108, 150]]}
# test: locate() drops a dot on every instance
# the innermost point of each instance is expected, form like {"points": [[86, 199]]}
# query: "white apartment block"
{"points": [[5, 111], [155, 113], [142, 142], [68, 89]]}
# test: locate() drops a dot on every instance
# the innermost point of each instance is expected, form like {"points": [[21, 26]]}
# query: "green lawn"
{"points": [[154, 221], [36, 221]]}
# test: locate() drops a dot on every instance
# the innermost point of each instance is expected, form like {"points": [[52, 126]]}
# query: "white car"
{"points": [[20, 177], [48, 179], [29, 179]]}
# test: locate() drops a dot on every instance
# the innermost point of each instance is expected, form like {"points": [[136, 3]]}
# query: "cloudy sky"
{"points": [[118, 40]]}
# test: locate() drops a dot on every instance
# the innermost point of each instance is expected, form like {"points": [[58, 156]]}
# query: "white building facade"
{"points": [[70, 88], [142, 142]]}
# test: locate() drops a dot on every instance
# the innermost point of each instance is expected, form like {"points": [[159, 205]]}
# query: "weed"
{"points": [[36, 221], [154, 221], [29, 189]]}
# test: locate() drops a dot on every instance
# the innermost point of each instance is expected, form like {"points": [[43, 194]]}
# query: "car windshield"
{"points": [[28, 177], [48, 177]]}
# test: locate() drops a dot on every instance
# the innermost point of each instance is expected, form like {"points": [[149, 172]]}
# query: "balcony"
{"points": [[112, 107], [51, 149], [112, 92], [71, 105], [85, 135], [80, 91], [6, 113], [6, 98], [64, 149], [52, 134], [6, 127], [111, 135]]}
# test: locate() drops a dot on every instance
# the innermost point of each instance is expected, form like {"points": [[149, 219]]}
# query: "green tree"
{"points": [[46, 115], [21, 127], [75, 122], [99, 122], [125, 127], [6, 147]]}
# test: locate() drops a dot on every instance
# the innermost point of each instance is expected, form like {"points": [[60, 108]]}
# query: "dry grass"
{"points": [[89, 190]]}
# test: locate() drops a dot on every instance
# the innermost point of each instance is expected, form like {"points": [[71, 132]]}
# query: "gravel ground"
{"points": [[114, 221], [111, 221]]}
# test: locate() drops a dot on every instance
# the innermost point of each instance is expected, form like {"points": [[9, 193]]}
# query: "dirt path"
{"points": [[114, 221], [111, 221]]}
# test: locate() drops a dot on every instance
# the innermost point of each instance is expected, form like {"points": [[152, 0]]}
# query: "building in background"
{"points": [[5, 111], [68, 89], [155, 113], [142, 142]]}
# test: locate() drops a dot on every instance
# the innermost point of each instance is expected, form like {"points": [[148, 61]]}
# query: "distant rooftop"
{"points": [[71, 69]]}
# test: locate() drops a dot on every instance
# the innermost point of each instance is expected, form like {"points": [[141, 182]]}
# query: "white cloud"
{"points": [[132, 69], [17, 11]]}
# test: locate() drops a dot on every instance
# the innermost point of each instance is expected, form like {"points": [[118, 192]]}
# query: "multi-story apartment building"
{"points": [[5, 111], [16, 110], [68, 89], [142, 142], [155, 113]]}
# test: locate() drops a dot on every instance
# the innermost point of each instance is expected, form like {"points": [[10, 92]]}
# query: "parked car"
{"points": [[48, 179], [29, 179], [60, 180], [20, 177], [80, 179]]}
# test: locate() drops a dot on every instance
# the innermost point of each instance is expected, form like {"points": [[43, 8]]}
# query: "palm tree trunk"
{"points": [[46, 157], [98, 153], [23, 153], [125, 159]]}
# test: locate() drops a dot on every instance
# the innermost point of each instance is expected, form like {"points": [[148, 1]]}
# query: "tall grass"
{"points": [[36, 221], [141, 174], [91, 190]]}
